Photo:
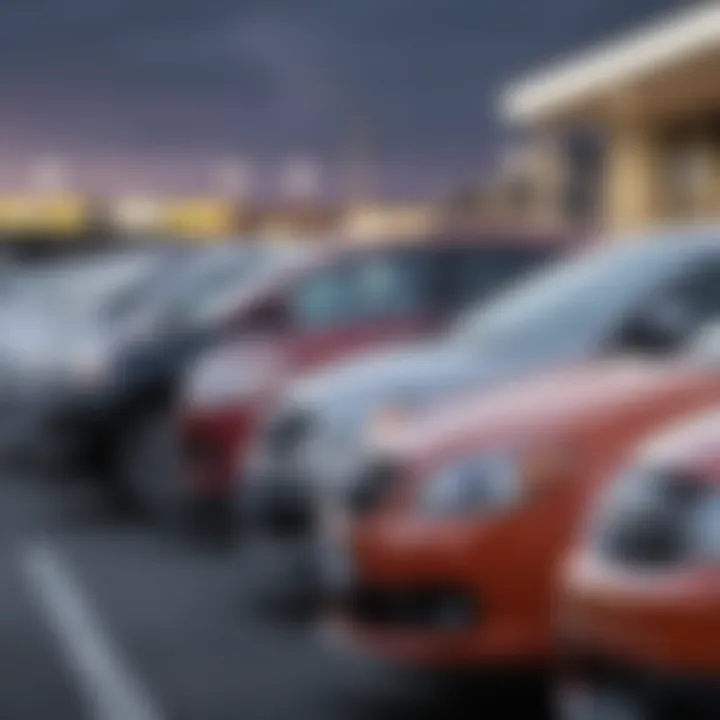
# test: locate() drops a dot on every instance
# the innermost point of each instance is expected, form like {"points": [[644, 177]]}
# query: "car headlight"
{"points": [[480, 483], [657, 510], [632, 488], [225, 379], [217, 386], [491, 482]]}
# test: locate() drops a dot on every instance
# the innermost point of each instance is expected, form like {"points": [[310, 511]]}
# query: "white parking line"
{"points": [[108, 686]]}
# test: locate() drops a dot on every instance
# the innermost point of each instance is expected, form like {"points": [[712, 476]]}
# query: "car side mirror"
{"points": [[662, 326], [270, 316]]}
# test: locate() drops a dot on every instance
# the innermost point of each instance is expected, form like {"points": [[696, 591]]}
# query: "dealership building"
{"points": [[651, 101]]}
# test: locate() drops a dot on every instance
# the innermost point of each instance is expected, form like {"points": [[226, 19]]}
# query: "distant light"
{"points": [[136, 212], [301, 179], [234, 178], [49, 174]]}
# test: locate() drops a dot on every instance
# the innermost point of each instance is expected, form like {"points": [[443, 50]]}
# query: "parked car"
{"points": [[355, 300], [159, 332], [72, 327], [639, 602], [460, 520], [47, 310], [630, 295]]}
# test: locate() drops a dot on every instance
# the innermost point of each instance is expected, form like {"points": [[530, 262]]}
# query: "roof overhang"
{"points": [[570, 88]]}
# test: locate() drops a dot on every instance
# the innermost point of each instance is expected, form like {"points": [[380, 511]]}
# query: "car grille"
{"points": [[371, 487], [658, 531], [419, 608]]}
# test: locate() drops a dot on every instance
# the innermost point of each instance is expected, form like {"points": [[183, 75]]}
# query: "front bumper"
{"points": [[654, 693], [293, 490], [668, 620], [213, 442], [440, 596], [647, 637]]}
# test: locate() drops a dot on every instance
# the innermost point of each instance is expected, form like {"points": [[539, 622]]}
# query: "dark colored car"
{"points": [[353, 302]]}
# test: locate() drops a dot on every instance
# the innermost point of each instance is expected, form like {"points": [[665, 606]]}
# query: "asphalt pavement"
{"points": [[109, 620]]}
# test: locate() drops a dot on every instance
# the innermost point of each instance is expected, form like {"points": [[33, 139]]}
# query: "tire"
{"points": [[153, 480]]}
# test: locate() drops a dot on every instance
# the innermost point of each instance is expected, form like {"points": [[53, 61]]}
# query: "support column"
{"points": [[631, 177]]}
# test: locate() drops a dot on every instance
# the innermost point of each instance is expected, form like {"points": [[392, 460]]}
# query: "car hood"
{"points": [[36, 347], [401, 372], [408, 377], [690, 444], [26, 333], [538, 404]]}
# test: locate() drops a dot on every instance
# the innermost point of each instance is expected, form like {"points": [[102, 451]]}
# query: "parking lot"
{"points": [[103, 619]]}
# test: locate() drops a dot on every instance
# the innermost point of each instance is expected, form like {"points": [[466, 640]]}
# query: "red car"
{"points": [[459, 518], [639, 619], [350, 302]]}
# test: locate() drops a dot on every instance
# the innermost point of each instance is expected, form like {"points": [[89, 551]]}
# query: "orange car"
{"points": [[460, 520], [639, 616]]}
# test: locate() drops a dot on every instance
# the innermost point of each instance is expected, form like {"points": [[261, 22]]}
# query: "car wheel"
{"points": [[153, 478]]}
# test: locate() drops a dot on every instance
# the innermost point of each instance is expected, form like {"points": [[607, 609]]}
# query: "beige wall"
{"points": [[654, 177], [643, 119], [630, 177]]}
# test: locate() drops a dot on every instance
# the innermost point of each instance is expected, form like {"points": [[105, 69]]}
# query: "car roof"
{"points": [[340, 248]]}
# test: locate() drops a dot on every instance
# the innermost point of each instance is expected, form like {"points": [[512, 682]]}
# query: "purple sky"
{"points": [[153, 93]]}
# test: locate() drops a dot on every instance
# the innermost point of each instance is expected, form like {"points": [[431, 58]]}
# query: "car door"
{"points": [[363, 301]]}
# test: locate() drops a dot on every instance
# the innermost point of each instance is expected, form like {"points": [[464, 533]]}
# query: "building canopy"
{"points": [[668, 67]]}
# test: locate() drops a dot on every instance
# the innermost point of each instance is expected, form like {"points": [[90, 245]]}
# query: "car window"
{"points": [[383, 286], [389, 285], [83, 287], [212, 291], [149, 292], [578, 301], [471, 273], [699, 292], [324, 299]]}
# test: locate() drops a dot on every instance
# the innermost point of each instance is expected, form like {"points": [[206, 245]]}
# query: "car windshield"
{"points": [[81, 287], [161, 288], [211, 283], [572, 302]]}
